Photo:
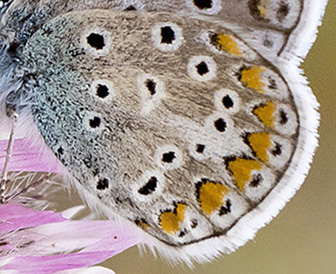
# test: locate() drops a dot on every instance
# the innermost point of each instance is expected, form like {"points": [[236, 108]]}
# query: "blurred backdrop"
{"points": [[302, 239]]}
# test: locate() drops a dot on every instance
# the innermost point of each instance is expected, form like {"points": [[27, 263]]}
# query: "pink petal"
{"points": [[27, 157], [69, 236], [52, 264], [14, 217], [89, 270]]}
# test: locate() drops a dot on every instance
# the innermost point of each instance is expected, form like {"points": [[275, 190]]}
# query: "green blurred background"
{"points": [[302, 239]]}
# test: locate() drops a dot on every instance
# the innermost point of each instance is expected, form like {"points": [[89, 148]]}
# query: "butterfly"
{"points": [[187, 118]]}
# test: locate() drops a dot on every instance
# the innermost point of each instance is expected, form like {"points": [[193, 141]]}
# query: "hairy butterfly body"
{"points": [[187, 118]]}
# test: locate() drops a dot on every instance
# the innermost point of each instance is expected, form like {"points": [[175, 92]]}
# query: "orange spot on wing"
{"points": [[262, 11], [265, 114], [211, 195], [144, 225], [226, 43], [170, 221], [260, 142], [251, 77], [241, 170], [262, 7]]}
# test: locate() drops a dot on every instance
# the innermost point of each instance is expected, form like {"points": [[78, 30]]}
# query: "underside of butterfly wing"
{"points": [[180, 125], [272, 27]]}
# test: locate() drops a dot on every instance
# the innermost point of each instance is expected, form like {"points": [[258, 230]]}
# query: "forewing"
{"points": [[272, 27]]}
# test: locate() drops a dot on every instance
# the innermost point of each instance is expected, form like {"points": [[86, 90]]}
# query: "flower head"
{"points": [[41, 241]]}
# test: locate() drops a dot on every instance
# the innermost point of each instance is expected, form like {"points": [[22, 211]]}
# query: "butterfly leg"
{"points": [[14, 116]]}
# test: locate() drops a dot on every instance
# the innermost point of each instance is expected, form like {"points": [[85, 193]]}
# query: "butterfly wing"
{"points": [[272, 27], [177, 124]]}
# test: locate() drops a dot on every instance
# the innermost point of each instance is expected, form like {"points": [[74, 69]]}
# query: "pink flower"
{"points": [[45, 242]]}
